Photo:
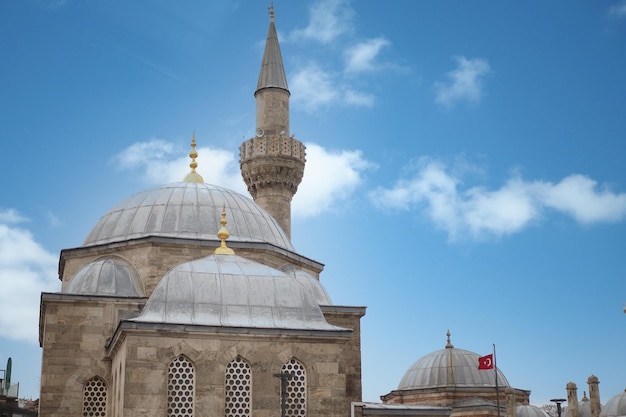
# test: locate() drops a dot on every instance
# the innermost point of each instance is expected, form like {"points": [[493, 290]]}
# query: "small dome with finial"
{"points": [[193, 176], [449, 367]]}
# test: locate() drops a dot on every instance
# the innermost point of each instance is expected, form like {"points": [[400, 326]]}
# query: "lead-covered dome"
{"points": [[449, 367], [528, 410], [189, 211], [615, 407], [231, 291], [311, 283], [107, 276]]}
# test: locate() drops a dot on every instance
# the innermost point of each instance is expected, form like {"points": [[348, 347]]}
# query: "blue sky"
{"points": [[465, 162]]}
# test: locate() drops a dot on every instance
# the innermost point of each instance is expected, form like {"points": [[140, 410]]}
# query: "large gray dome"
{"points": [[449, 367], [107, 276], [190, 211], [311, 283], [231, 291], [615, 407]]}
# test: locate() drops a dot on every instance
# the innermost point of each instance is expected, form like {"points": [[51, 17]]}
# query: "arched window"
{"points": [[296, 388], [95, 398], [238, 389], [180, 387]]}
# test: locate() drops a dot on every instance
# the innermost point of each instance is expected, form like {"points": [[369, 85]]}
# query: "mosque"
{"points": [[189, 299]]}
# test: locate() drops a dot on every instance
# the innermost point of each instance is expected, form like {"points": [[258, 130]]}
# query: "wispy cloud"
{"points": [[618, 10], [477, 212], [329, 178], [11, 216], [26, 269], [328, 19], [361, 57], [330, 81], [464, 83]]}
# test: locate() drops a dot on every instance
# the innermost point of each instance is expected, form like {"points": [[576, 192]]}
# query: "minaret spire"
{"points": [[272, 162]]}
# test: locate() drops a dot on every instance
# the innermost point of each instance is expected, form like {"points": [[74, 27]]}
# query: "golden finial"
{"points": [[449, 345], [223, 235], [270, 10], [193, 176]]}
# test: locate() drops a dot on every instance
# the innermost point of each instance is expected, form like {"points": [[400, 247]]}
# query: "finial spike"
{"points": [[223, 235], [449, 345], [270, 10], [193, 176]]}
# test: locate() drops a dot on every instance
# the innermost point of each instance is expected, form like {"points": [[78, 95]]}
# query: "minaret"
{"points": [[594, 395], [272, 162], [572, 399]]}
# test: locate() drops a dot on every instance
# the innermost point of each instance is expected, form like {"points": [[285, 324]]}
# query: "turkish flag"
{"points": [[485, 362]]}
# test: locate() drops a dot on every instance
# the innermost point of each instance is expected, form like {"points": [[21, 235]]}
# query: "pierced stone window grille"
{"points": [[238, 389], [180, 387], [95, 398], [296, 389]]}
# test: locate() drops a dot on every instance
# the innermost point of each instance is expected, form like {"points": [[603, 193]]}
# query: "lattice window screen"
{"points": [[180, 387], [238, 389], [296, 388], [95, 398]]}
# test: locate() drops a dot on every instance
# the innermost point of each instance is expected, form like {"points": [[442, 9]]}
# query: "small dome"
{"points": [[310, 283], [231, 291], [615, 407], [188, 211], [449, 367], [107, 276], [528, 410]]}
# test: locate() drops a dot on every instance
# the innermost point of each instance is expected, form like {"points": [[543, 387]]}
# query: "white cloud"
{"points": [[159, 163], [26, 269], [328, 19], [465, 83], [361, 57], [578, 196], [314, 88], [477, 212], [618, 10], [329, 177]]}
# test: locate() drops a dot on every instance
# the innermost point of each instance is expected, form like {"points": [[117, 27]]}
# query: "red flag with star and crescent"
{"points": [[485, 362]]}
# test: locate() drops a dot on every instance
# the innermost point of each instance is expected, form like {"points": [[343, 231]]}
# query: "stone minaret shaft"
{"points": [[572, 399], [594, 395], [272, 162]]}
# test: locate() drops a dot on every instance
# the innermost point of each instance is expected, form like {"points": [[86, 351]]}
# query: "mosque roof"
{"points": [[615, 407], [188, 210], [232, 291], [107, 276], [449, 367]]}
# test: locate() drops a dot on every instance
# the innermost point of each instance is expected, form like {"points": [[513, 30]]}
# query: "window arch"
{"points": [[95, 398], [238, 385], [296, 388], [180, 387]]}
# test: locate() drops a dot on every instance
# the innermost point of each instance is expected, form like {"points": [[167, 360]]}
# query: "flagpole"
{"points": [[495, 368]]}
